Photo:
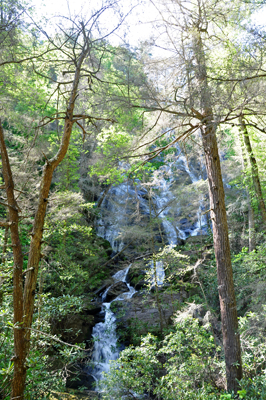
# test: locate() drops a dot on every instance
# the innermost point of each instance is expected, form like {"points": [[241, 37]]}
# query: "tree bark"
{"points": [[231, 339], [254, 169], [251, 229], [24, 302], [37, 231], [19, 357], [251, 214]]}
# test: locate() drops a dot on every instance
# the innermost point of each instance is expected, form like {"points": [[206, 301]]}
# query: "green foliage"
{"points": [[135, 371], [187, 365], [6, 340], [182, 366], [74, 252], [250, 278], [47, 357], [67, 173], [176, 266], [61, 305], [253, 389], [192, 360], [112, 144]]}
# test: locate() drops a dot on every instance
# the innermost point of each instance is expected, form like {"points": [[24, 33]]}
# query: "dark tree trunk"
{"points": [[19, 357], [231, 339], [254, 169], [23, 300], [251, 214], [37, 230]]}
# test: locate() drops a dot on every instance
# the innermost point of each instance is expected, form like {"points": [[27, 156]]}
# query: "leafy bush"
{"points": [[183, 366]]}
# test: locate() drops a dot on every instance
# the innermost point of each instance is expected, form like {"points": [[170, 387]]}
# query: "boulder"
{"points": [[73, 328], [92, 307], [193, 310], [115, 290], [140, 314], [105, 285], [136, 277], [76, 396], [77, 377], [206, 319]]}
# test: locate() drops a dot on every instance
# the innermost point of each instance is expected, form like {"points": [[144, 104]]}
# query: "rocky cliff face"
{"points": [[139, 219], [145, 312], [168, 207]]}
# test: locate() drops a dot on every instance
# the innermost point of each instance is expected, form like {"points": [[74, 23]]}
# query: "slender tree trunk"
{"points": [[24, 303], [254, 169], [231, 339], [251, 229], [37, 231], [154, 267], [3, 258], [19, 357], [251, 214]]}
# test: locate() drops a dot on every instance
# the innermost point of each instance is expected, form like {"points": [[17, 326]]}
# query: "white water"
{"points": [[160, 274], [201, 223], [104, 333], [119, 204]]}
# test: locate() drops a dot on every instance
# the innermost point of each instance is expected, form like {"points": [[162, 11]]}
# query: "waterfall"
{"points": [[201, 223], [159, 271], [118, 206], [117, 216], [104, 333]]}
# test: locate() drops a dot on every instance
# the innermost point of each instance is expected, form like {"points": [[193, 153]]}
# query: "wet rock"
{"points": [[77, 377], [92, 307], [140, 314], [73, 328], [196, 239], [76, 396], [136, 277], [115, 290], [105, 285]]}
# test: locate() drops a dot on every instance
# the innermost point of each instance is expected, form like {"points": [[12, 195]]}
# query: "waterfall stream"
{"points": [[118, 207], [118, 203], [104, 333]]}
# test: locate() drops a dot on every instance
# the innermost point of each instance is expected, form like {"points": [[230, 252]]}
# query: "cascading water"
{"points": [[104, 333], [118, 203], [157, 274], [201, 223], [117, 208]]}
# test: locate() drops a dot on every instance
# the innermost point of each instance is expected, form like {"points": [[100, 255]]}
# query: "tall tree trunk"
{"points": [[251, 228], [37, 231], [231, 339], [4, 249], [19, 357], [24, 302], [251, 214], [254, 169]]}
